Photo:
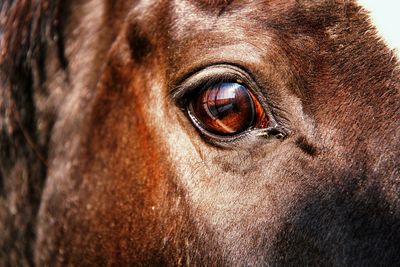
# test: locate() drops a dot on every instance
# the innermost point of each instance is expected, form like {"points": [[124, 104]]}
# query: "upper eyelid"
{"points": [[211, 75]]}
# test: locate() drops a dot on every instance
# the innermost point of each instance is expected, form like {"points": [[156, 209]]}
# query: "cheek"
{"points": [[126, 148], [117, 199]]}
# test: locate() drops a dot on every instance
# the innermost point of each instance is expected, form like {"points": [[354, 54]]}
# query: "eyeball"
{"points": [[226, 109]]}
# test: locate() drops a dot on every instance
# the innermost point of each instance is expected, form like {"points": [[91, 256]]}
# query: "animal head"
{"points": [[199, 133]]}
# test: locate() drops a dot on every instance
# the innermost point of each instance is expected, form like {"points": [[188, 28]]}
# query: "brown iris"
{"points": [[227, 108]]}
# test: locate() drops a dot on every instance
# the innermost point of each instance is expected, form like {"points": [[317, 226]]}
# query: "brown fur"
{"points": [[99, 166]]}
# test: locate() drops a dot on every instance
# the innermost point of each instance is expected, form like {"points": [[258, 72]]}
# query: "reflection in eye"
{"points": [[227, 108]]}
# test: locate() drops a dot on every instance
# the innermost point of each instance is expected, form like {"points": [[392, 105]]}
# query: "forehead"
{"points": [[185, 13], [210, 12], [214, 22], [194, 33]]}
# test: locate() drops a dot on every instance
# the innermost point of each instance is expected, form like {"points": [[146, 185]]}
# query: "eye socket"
{"points": [[226, 106], [226, 109]]}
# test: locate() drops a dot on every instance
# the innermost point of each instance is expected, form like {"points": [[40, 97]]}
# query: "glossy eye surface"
{"points": [[227, 108]]}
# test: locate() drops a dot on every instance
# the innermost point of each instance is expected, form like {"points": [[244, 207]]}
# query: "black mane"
{"points": [[26, 28]]}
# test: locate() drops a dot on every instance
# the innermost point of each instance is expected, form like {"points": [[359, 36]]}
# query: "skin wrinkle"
{"points": [[132, 182]]}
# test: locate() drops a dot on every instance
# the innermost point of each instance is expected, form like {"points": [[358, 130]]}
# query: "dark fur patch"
{"points": [[305, 240], [139, 44], [306, 146]]}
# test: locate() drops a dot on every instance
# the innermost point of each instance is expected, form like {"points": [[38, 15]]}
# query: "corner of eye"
{"points": [[270, 132]]}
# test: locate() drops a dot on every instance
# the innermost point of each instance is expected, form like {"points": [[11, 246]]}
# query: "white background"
{"points": [[386, 17]]}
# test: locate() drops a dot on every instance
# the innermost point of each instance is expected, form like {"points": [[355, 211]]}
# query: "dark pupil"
{"points": [[226, 108]]}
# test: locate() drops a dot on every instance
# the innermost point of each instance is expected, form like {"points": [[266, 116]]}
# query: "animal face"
{"points": [[219, 133]]}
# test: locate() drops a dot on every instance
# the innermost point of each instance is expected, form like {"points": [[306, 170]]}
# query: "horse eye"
{"points": [[227, 108]]}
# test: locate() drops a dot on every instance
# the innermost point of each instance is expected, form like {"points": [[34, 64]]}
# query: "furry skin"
{"points": [[99, 166]]}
